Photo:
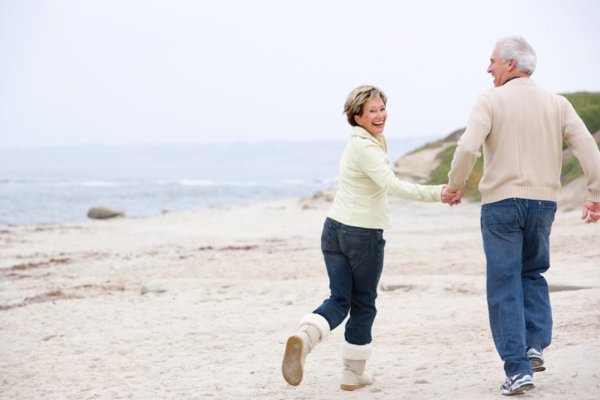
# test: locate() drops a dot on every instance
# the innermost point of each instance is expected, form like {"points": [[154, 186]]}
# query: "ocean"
{"points": [[43, 185]]}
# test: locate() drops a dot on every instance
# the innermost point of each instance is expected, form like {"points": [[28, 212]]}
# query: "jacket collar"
{"points": [[362, 133]]}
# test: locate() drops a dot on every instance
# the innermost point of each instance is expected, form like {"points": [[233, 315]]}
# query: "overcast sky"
{"points": [[152, 72]]}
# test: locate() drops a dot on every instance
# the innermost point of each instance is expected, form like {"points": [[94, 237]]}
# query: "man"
{"points": [[521, 127]]}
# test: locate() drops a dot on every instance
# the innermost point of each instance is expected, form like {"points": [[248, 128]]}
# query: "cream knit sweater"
{"points": [[366, 178], [522, 127]]}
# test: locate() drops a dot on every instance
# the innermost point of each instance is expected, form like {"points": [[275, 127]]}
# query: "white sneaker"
{"points": [[517, 384]]}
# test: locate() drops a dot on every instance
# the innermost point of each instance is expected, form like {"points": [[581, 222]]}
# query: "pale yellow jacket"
{"points": [[365, 180]]}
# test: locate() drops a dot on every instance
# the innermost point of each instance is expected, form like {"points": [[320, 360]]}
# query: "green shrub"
{"points": [[439, 175], [587, 105]]}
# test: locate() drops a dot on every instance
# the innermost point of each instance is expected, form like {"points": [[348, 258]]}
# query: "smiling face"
{"points": [[373, 116], [500, 70]]}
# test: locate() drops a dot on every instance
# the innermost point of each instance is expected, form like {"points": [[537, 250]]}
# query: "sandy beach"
{"points": [[198, 305]]}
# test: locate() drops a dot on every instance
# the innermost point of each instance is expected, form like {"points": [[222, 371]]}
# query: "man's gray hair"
{"points": [[516, 48]]}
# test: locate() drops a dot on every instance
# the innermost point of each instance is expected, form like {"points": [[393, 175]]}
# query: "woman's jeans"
{"points": [[516, 241], [354, 261]]}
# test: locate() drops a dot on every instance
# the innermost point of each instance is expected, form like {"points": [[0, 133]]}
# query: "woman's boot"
{"points": [[312, 329], [355, 357]]}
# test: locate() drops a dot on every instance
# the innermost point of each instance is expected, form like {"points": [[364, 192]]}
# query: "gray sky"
{"points": [[151, 72]]}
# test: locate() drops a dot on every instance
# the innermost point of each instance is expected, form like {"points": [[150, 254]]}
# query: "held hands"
{"points": [[591, 212], [453, 197]]}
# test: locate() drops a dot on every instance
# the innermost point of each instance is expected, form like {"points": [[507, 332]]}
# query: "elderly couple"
{"points": [[522, 128]]}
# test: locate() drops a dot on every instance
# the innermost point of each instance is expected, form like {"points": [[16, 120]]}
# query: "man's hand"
{"points": [[452, 197], [590, 214]]}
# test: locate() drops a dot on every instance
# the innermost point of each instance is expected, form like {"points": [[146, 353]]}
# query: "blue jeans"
{"points": [[354, 260], [516, 241]]}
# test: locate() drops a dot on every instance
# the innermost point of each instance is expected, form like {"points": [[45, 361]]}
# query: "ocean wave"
{"points": [[35, 182], [197, 182], [12, 181], [99, 183], [329, 181], [294, 181]]}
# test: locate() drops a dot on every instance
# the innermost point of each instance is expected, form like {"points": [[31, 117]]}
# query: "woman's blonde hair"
{"points": [[357, 99]]}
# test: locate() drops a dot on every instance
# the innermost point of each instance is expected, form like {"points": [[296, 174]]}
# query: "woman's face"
{"points": [[373, 116]]}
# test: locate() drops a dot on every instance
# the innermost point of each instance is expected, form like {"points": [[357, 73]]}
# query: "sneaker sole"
{"points": [[537, 365], [291, 367], [520, 390]]}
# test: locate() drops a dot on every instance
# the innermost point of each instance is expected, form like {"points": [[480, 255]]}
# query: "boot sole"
{"points": [[351, 388], [291, 367]]}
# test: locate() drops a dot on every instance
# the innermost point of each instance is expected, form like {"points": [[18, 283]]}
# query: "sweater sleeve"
{"points": [[584, 147], [374, 163], [468, 147]]}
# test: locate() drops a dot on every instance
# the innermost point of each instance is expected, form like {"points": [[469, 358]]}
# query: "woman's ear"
{"points": [[357, 119]]}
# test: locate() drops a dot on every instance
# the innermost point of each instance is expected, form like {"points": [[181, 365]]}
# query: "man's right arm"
{"points": [[467, 149]]}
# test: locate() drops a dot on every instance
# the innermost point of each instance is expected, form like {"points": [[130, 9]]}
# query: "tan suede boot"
{"points": [[312, 330], [354, 358]]}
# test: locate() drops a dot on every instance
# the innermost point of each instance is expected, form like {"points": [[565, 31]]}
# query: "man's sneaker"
{"points": [[517, 384], [537, 360]]}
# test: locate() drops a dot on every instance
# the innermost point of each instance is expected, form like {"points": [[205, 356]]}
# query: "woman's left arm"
{"points": [[375, 163]]}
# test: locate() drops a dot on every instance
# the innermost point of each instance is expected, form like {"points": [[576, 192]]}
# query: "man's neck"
{"points": [[515, 76]]}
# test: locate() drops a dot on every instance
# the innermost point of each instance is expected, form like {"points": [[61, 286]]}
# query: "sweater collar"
{"points": [[521, 80]]}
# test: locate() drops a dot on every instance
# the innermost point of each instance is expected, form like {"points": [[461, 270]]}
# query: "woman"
{"points": [[352, 242]]}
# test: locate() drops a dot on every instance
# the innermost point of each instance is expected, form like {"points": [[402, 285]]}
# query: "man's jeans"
{"points": [[516, 241], [354, 261]]}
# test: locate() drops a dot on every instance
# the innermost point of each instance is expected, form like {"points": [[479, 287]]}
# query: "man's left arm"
{"points": [[584, 147]]}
